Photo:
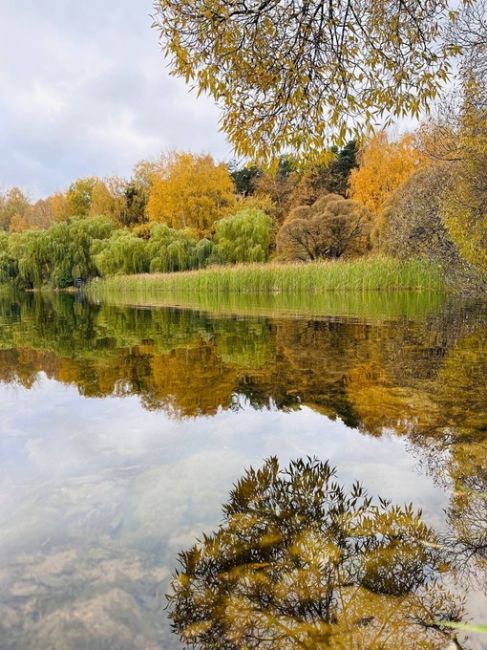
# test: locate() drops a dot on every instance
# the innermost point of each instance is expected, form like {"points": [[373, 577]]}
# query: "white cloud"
{"points": [[84, 90]]}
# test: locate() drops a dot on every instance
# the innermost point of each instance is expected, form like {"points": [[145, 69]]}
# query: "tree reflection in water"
{"points": [[467, 540], [421, 377], [299, 563]]}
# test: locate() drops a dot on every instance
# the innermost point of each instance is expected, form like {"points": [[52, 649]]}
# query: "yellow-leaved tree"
{"points": [[190, 191], [13, 203], [384, 166], [79, 196], [295, 75], [103, 201], [58, 207], [464, 208]]}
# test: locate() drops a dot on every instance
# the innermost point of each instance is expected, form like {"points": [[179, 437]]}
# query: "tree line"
{"points": [[418, 195], [181, 212]]}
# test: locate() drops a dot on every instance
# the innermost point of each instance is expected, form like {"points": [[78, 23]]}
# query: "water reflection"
{"points": [[425, 373], [94, 508], [300, 563], [423, 378]]}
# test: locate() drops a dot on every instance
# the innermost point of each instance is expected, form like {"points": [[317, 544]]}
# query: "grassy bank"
{"points": [[377, 287], [370, 274]]}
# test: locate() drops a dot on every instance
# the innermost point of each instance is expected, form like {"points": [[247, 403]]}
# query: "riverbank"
{"points": [[364, 274]]}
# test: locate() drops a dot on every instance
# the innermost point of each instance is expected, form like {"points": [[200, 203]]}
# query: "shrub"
{"points": [[331, 228]]}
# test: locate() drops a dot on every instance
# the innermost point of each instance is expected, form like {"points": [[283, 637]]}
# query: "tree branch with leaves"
{"points": [[300, 73]]}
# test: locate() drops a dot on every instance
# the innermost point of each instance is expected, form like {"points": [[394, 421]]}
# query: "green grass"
{"points": [[366, 288], [366, 274]]}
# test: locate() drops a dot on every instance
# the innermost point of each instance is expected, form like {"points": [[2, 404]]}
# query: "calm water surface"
{"points": [[124, 431]]}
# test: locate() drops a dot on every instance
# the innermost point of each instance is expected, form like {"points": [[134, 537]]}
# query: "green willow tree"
{"points": [[124, 252], [176, 250], [56, 256], [297, 74], [244, 237]]}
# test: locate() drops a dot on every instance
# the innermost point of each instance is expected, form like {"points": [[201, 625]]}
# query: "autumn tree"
{"points": [[19, 223], [105, 201], [58, 207], [144, 170], [330, 228], [469, 31], [278, 183], [295, 75], [40, 214], [190, 191], [458, 134], [23, 215], [79, 196], [465, 206], [412, 223], [44, 213], [13, 203], [384, 165], [328, 173], [438, 136], [124, 201]]}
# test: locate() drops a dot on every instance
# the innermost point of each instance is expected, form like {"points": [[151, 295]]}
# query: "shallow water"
{"points": [[123, 430]]}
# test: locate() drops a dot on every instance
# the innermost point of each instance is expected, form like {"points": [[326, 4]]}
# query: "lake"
{"points": [[127, 434]]}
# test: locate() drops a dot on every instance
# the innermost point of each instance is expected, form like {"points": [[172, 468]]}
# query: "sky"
{"points": [[85, 91]]}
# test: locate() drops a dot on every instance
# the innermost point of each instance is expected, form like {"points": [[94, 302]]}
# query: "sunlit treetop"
{"points": [[297, 74]]}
